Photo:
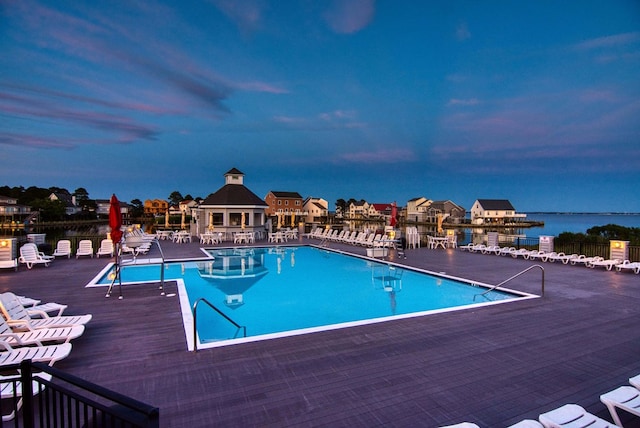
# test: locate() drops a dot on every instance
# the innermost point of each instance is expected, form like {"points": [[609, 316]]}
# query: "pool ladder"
{"points": [[512, 278], [195, 321]]}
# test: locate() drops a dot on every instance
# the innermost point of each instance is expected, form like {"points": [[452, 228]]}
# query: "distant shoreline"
{"points": [[580, 213]]}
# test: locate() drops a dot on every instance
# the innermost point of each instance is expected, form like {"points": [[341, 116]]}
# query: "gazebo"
{"points": [[232, 208]]}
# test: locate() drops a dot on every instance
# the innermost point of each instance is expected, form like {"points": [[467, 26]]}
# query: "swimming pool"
{"points": [[281, 291]]}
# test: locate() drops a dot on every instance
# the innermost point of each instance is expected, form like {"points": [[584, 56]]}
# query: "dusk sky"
{"points": [[537, 102]]}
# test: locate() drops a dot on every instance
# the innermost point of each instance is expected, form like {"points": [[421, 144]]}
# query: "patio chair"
{"points": [[575, 414], [85, 248], [30, 256], [106, 248], [564, 258], [582, 259], [38, 336], [63, 249], [11, 388], [36, 307], [627, 265], [527, 423], [47, 354], [626, 398], [607, 264], [20, 320]]}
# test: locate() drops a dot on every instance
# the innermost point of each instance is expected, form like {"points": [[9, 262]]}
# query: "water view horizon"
{"points": [[557, 223]]}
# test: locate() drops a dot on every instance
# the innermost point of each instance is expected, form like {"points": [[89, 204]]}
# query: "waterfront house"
{"points": [[103, 206], [155, 206], [418, 209], [360, 209], [316, 210], [451, 212], [10, 211], [494, 211], [283, 202], [69, 201], [226, 207]]}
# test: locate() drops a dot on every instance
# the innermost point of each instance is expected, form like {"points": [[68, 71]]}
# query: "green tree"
{"points": [[137, 208], [49, 210], [175, 198]]}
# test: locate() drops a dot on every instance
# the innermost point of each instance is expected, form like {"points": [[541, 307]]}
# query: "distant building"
{"points": [[69, 201], [103, 206], [283, 202], [316, 210], [155, 206], [494, 211], [451, 212], [11, 211], [224, 209], [186, 206], [360, 209], [418, 209]]}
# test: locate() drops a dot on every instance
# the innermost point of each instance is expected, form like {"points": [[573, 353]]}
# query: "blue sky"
{"points": [[536, 102]]}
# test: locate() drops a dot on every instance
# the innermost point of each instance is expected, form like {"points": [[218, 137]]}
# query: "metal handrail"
{"points": [[195, 321], [514, 277], [161, 267]]}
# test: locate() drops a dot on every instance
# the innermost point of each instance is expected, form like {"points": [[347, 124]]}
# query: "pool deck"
{"points": [[493, 366]]}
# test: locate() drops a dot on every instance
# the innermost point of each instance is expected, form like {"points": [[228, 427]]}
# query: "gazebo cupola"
{"points": [[234, 176]]}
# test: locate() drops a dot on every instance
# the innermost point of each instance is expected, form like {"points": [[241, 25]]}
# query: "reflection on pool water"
{"points": [[283, 290]]}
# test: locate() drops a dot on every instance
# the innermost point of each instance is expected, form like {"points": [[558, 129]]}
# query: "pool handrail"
{"points": [[514, 277], [212, 306]]}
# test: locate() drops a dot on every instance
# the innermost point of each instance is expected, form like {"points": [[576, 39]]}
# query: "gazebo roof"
{"points": [[233, 194]]}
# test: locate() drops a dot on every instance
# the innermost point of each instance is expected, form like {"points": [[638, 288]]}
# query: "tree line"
{"points": [[55, 210]]}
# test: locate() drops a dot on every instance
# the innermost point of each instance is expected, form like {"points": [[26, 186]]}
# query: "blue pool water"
{"points": [[284, 289]]}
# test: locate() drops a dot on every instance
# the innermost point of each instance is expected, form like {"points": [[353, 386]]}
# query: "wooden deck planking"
{"points": [[493, 366]]}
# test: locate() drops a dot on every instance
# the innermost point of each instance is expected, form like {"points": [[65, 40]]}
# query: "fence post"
{"points": [[27, 393]]}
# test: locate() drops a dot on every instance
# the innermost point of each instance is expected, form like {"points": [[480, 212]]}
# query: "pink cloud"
{"points": [[349, 16], [610, 41], [246, 14]]}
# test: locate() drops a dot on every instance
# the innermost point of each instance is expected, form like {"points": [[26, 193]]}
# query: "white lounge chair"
{"points": [[536, 255], [582, 259], [505, 251], [19, 319], [11, 389], [461, 425], [627, 265], [527, 423], [47, 354], [38, 336], [63, 249], [491, 249], [608, 264], [36, 307], [626, 398], [635, 381], [562, 257], [30, 256], [106, 248], [572, 415], [85, 248], [521, 252]]}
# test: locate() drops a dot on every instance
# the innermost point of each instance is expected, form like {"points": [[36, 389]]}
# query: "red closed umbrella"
{"points": [[115, 219], [394, 214]]}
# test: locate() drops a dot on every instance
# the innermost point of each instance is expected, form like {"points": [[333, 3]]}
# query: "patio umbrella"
{"points": [[115, 219], [293, 219], [182, 225], [394, 214], [211, 220], [115, 223], [440, 223], [279, 220], [242, 220], [166, 219]]}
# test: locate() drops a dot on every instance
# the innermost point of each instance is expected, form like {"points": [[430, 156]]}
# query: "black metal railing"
{"points": [[42, 396]]}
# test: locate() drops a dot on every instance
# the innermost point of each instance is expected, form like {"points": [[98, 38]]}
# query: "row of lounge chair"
{"points": [[364, 239], [552, 256], [30, 330], [625, 397]]}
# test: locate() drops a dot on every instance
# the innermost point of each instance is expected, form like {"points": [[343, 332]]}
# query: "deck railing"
{"points": [[58, 399]]}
